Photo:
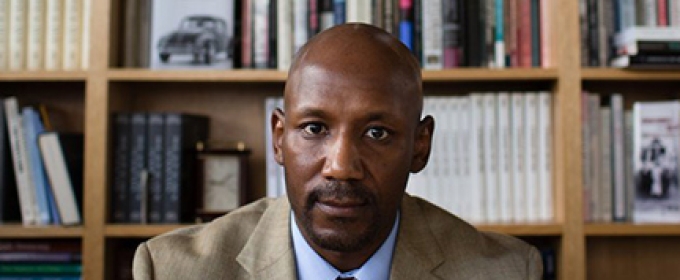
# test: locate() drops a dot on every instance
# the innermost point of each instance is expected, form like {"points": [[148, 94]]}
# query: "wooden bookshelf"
{"points": [[235, 99]]}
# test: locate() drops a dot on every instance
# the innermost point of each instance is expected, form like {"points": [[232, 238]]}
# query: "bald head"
{"points": [[363, 54]]}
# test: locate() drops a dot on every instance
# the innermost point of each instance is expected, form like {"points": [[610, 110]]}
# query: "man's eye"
{"points": [[377, 133], [314, 129]]}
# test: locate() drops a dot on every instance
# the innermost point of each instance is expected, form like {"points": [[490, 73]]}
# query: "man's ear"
{"points": [[278, 121], [422, 144]]}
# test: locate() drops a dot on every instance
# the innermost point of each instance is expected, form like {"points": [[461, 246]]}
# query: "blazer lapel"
{"points": [[268, 253], [416, 256]]}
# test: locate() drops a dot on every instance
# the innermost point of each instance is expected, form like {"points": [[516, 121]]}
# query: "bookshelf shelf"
{"points": [[607, 74], [486, 75], [30, 76], [141, 231], [524, 229], [233, 76], [628, 229], [21, 232]]}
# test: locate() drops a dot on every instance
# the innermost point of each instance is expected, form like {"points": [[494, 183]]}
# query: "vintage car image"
{"points": [[203, 37]]}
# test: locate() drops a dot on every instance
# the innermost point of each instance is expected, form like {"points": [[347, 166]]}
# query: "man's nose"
{"points": [[343, 161]]}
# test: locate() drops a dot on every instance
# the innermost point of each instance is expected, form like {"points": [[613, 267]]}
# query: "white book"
{"points": [[618, 159], [531, 156], [284, 36], [272, 166], [71, 43], [454, 169], [595, 155], [626, 10], [4, 31], [477, 183], [630, 164], [261, 33], [62, 186], [359, 11], [545, 157], [650, 10], [674, 8], [464, 165], [25, 188], [605, 188], [85, 35], [490, 148], [432, 35], [586, 156], [17, 35], [518, 126], [53, 34], [35, 35], [656, 137], [437, 157], [504, 158], [646, 33], [174, 21], [300, 24]]}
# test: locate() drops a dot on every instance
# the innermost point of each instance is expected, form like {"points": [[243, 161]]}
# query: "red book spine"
{"points": [[247, 34], [524, 34], [662, 12]]}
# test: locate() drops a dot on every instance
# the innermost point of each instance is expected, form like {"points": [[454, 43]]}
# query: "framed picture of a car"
{"points": [[192, 34]]}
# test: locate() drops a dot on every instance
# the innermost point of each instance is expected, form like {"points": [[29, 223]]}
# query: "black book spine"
{"points": [[474, 31], [593, 34], [236, 41], [121, 168], [273, 35], [418, 30], [535, 33], [182, 133], [155, 164], [137, 166]]}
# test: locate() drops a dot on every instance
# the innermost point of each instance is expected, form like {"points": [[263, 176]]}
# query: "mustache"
{"points": [[341, 190]]}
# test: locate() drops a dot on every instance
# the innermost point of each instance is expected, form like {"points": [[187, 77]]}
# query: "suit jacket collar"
{"points": [[268, 254], [416, 255]]}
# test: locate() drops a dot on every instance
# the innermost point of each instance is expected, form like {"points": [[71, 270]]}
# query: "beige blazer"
{"points": [[254, 243]]}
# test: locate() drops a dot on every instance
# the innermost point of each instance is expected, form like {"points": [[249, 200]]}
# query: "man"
{"points": [[349, 136]]}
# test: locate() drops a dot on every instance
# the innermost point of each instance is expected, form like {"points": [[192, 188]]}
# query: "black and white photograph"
{"points": [[656, 162], [192, 34]]}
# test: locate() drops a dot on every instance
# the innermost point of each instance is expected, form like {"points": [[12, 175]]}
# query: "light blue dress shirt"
{"points": [[311, 266]]}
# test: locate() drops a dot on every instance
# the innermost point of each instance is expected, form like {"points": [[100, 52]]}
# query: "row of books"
{"points": [[630, 160], [170, 34], [44, 34], [41, 168], [154, 156], [40, 260], [491, 157], [602, 21]]}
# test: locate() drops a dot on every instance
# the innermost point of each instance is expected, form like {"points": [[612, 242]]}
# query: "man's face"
{"points": [[347, 144]]}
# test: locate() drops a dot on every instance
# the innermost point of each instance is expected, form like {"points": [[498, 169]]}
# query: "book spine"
{"points": [[35, 34], [517, 139], [154, 149], [489, 7], [377, 13], [54, 153], [464, 163], [144, 33], [326, 18], [138, 144], [476, 158], [593, 34], [499, 47], [39, 246], [524, 33], [504, 158], [25, 188], [432, 35], [260, 35], [626, 10], [121, 167], [10, 211], [85, 34], [662, 12], [649, 10], [490, 148], [535, 33], [4, 29], [545, 182], [300, 35], [285, 34], [511, 31], [583, 20], [418, 30], [13, 269], [388, 17], [131, 34], [32, 127], [674, 12], [182, 132], [473, 46], [406, 23], [531, 156], [585, 150], [629, 191], [606, 168], [39, 257], [618, 159], [53, 34], [452, 166], [72, 32], [451, 35], [546, 31], [339, 11], [247, 33], [595, 155], [607, 26], [17, 34], [312, 17]]}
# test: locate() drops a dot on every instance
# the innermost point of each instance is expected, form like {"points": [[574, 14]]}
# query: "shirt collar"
{"points": [[312, 266]]}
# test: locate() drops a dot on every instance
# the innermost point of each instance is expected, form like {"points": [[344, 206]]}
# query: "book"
{"points": [[656, 136], [155, 160], [504, 157], [137, 166], [260, 37], [17, 35], [182, 133], [517, 135], [9, 200], [530, 157], [35, 34], [25, 188], [618, 158], [647, 61], [39, 269], [605, 185], [62, 154], [191, 35], [284, 26], [39, 257], [405, 22], [490, 153], [85, 36], [53, 34], [43, 192], [121, 167], [131, 34], [72, 34], [432, 35], [339, 11], [300, 24], [545, 157]]}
